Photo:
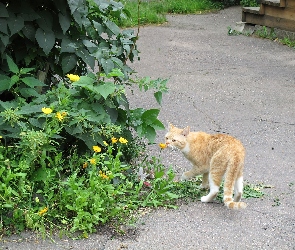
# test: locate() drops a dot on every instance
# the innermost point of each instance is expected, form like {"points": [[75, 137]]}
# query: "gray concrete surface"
{"points": [[240, 85]]}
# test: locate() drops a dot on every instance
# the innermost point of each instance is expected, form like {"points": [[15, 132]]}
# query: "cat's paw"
{"points": [[184, 177], [205, 199], [204, 186]]}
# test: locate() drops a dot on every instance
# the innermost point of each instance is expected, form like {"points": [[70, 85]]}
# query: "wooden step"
{"points": [[272, 13], [277, 3], [269, 21]]}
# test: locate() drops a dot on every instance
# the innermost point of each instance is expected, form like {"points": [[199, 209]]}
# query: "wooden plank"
{"points": [[254, 10], [278, 12], [290, 4], [277, 3], [270, 21]]}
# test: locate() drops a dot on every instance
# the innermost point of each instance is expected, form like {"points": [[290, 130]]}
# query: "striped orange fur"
{"points": [[214, 156]]}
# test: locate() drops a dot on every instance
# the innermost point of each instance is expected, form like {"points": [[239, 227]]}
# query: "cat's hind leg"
{"points": [[238, 189], [214, 183]]}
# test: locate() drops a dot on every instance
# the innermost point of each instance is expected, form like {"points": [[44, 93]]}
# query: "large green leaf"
{"points": [[31, 109], [68, 62], [4, 84], [3, 11], [32, 82], [45, 40], [149, 116], [158, 96], [65, 22], [11, 65], [113, 28], [98, 26], [68, 46], [74, 4], [3, 25], [86, 57], [28, 92], [107, 65], [29, 31], [15, 23], [45, 21], [5, 40], [105, 89]]}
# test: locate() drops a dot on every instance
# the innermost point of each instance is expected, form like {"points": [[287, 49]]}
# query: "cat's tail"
{"points": [[234, 205]]}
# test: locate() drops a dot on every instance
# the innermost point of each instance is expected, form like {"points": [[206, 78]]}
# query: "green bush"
{"points": [[62, 91]]}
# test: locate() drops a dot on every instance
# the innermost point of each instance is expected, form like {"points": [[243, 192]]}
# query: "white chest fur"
{"points": [[186, 149]]}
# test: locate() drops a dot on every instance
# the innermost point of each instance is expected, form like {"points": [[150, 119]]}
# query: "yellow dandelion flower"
{"points": [[162, 145], [73, 78], [92, 161], [43, 211], [85, 165], [1, 137], [47, 111], [96, 149], [105, 143], [114, 140], [123, 140], [103, 175], [59, 116]]}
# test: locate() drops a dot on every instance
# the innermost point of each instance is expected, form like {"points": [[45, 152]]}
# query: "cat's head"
{"points": [[176, 137]]}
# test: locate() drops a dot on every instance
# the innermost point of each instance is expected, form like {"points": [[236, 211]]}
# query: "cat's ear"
{"points": [[170, 126], [186, 131]]}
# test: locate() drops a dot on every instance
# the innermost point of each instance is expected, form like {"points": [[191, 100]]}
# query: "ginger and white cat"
{"points": [[213, 156]]}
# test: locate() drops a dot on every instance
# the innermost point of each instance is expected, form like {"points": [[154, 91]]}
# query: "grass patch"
{"points": [[154, 12]]}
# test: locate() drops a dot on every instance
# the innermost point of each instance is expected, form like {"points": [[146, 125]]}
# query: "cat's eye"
{"points": [[173, 140]]}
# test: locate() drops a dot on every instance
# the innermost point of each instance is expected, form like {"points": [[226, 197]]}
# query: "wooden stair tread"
{"points": [[272, 2], [254, 10]]}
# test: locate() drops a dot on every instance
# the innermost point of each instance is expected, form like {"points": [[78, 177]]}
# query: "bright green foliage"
{"points": [[76, 193], [40, 43], [57, 37], [154, 11], [249, 3]]}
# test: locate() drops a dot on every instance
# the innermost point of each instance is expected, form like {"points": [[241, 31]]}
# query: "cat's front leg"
{"points": [[190, 174], [187, 175]]}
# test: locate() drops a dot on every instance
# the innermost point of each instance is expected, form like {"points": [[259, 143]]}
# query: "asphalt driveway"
{"points": [[244, 86]]}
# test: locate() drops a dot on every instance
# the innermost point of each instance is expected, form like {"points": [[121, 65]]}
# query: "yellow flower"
{"points": [[47, 111], [59, 116], [105, 143], [96, 149], [64, 114], [1, 137], [162, 145], [114, 140], [102, 175], [92, 161], [123, 140], [73, 78], [43, 211], [85, 165]]}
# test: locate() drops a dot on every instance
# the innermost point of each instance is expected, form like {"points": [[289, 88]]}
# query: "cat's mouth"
{"points": [[171, 147]]}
